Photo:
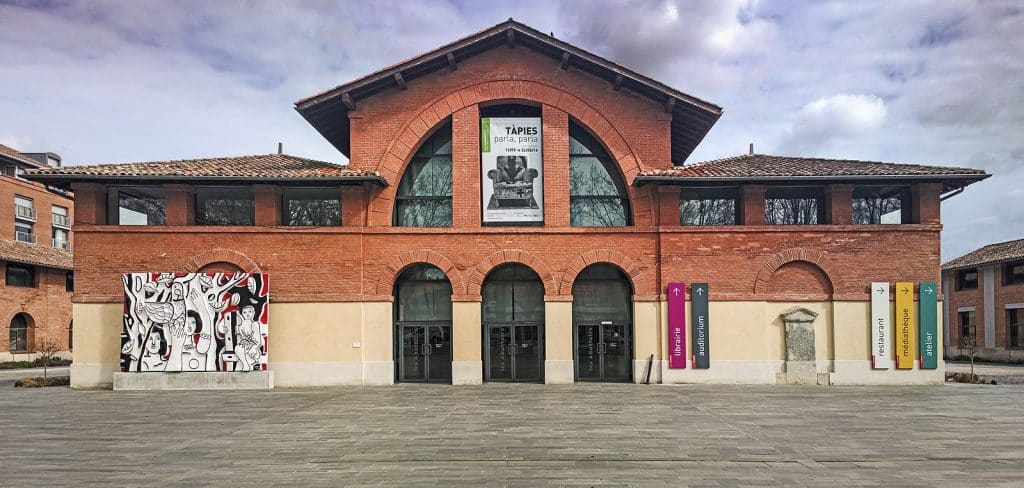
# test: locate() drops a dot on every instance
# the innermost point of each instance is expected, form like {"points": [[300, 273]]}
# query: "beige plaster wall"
{"points": [[466, 331], [558, 331], [316, 332]]}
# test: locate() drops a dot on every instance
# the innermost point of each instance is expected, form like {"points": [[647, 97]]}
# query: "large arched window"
{"points": [[425, 194], [19, 333], [597, 195]]}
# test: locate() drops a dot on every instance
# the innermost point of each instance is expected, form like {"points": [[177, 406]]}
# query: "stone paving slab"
{"points": [[517, 435]]}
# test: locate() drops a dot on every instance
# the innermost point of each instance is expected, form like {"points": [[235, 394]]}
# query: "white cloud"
{"points": [[826, 119]]}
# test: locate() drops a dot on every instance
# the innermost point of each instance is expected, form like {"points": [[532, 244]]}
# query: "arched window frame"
{"points": [[18, 339], [433, 199], [591, 209]]}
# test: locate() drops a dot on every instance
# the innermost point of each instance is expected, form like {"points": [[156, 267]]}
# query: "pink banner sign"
{"points": [[677, 325]]}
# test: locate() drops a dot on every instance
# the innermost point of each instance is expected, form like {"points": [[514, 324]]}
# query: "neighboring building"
{"points": [[35, 254], [514, 210], [985, 302]]}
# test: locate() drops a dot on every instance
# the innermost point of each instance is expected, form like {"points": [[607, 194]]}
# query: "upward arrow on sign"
{"points": [[675, 291], [700, 291]]}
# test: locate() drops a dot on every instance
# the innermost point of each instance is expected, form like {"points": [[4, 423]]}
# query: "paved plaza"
{"points": [[518, 435]]}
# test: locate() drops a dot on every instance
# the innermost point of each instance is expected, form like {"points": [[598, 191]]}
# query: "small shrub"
{"points": [[40, 382]]}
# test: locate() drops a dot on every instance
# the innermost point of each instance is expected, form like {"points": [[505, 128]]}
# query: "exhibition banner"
{"points": [[677, 325], [906, 340], [512, 169], [881, 357], [929, 325], [699, 326]]}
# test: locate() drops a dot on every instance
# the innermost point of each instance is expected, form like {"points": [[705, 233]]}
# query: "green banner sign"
{"points": [[929, 335]]}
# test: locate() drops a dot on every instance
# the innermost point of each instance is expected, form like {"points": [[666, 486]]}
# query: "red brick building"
{"points": [[35, 255], [985, 301], [431, 258]]}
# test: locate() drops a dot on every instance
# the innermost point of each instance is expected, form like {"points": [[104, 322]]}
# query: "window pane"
{"points": [[312, 206], [601, 293], [597, 194], [513, 293], [791, 211], [424, 294], [700, 208], [140, 206], [877, 210], [597, 212], [20, 275], [424, 194], [224, 206]]}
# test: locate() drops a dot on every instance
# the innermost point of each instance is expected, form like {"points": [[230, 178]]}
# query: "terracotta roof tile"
{"points": [[763, 165], [992, 253], [35, 254], [258, 167]]}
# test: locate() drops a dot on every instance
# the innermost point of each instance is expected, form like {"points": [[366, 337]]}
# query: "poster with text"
{"points": [[512, 163]]}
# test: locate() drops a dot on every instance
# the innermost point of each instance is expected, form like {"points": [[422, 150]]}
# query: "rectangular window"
{"points": [[60, 217], [708, 207], [137, 205], [23, 208], [23, 232], [311, 206], [21, 275], [69, 281], [1013, 273], [794, 206], [224, 206], [880, 205], [967, 279], [61, 238], [1015, 328], [967, 329]]}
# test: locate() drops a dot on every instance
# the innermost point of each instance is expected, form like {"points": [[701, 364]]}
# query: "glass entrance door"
{"points": [[603, 352], [514, 352], [426, 354]]}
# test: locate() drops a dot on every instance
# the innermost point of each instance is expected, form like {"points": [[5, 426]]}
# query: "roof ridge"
{"points": [[197, 160]]}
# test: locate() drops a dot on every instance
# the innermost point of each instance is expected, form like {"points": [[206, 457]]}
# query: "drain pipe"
{"points": [[650, 365]]}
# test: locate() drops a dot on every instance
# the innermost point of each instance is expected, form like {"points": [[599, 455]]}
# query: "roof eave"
{"points": [[966, 179], [65, 179]]}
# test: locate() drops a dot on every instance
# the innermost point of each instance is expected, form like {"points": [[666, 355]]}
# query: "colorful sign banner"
{"points": [[677, 325], [881, 325], [906, 340], [929, 325], [700, 327], [512, 169]]}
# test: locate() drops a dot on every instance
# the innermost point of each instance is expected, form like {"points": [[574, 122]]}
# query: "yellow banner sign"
{"points": [[906, 326]]}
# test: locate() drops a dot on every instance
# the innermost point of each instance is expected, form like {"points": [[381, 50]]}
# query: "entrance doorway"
{"points": [[423, 326], [602, 325], [513, 325]]}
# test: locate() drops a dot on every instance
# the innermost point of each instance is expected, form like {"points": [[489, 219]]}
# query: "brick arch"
{"points": [[633, 270], [401, 149], [474, 286], [817, 258], [220, 256], [399, 263]]}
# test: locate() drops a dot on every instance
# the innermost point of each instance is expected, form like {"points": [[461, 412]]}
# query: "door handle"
{"points": [[425, 349], [602, 348]]}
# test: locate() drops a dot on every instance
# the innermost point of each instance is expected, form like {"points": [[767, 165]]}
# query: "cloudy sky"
{"points": [[921, 82]]}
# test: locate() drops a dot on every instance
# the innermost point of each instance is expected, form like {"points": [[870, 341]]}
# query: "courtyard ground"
{"points": [[517, 435]]}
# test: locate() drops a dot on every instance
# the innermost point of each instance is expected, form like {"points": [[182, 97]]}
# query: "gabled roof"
{"points": [[990, 254], [765, 168], [264, 167], [12, 155], [327, 111], [35, 254]]}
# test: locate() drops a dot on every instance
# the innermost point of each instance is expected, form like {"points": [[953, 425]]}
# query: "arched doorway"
{"points": [[602, 317], [513, 325], [423, 326], [19, 340]]}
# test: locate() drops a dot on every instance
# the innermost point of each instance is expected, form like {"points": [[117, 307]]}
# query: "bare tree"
{"points": [[969, 344], [46, 353]]}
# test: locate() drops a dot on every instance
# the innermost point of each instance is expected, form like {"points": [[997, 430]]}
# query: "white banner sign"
{"points": [[513, 170], [881, 323]]}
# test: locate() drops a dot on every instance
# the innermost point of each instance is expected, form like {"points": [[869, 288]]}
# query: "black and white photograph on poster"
{"points": [[511, 156]]}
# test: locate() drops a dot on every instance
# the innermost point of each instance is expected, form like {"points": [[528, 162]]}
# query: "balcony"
{"points": [[62, 244], [24, 213], [61, 221], [25, 237]]}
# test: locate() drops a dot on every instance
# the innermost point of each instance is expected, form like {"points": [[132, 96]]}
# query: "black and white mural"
{"points": [[195, 322]]}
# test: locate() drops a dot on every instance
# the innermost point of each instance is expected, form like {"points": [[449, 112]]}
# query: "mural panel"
{"points": [[195, 322]]}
